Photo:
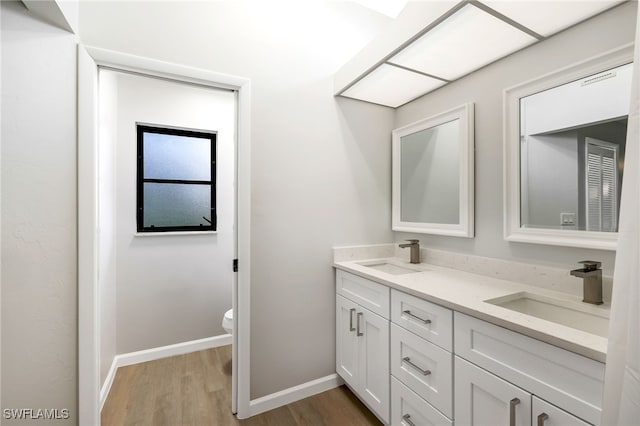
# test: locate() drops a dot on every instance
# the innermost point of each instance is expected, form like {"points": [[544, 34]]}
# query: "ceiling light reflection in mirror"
{"points": [[464, 42]]}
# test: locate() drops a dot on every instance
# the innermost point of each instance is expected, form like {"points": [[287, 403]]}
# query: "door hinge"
{"points": [[235, 265]]}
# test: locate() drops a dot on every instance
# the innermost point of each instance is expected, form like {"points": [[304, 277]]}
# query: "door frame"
{"points": [[89, 60]]}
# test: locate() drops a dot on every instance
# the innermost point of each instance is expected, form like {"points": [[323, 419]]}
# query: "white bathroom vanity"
{"points": [[425, 344]]}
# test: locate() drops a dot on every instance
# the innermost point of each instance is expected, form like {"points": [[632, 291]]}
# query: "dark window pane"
{"points": [[176, 157], [176, 204]]}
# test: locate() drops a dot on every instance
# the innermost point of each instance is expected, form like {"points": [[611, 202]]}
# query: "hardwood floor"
{"points": [[195, 389]]}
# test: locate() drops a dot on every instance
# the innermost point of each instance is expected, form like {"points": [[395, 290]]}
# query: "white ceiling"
{"points": [[450, 45]]}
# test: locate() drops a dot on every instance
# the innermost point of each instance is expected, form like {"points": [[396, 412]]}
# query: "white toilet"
{"points": [[227, 321]]}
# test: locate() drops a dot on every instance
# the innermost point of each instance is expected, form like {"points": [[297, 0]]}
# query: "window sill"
{"points": [[178, 233]]}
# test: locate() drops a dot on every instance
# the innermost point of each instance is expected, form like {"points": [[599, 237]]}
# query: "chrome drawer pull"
{"points": [[351, 327], [541, 418], [422, 320], [358, 333], [512, 411], [406, 418], [408, 361]]}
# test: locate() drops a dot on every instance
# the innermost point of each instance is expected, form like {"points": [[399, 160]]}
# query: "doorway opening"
{"points": [[181, 309]]}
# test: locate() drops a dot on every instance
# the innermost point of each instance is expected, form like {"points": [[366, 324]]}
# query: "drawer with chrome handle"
{"points": [[409, 409], [428, 320], [425, 368]]}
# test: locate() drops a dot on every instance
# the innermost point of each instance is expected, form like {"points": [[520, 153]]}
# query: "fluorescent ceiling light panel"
{"points": [[391, 86], [548, 17], [462, 43]]}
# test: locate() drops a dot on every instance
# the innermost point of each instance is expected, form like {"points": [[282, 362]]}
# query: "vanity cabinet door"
{"points": [[346, 341], [545, 414], [484, 399], [374, 362], [362, 354]]}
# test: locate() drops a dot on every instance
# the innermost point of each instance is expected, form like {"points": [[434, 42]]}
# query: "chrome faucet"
{"points": [[415, 250], [592, 281]]}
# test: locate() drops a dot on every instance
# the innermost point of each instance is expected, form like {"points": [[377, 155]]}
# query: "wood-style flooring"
{"points": [[195, 389]]}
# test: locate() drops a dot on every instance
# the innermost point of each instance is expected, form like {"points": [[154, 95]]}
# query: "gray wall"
{"points": [[320, 166], [549, 178], [485, 87], [39, 304]]}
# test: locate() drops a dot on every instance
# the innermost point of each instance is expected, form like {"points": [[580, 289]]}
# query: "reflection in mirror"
{"points": [[433, 174], [572, 143], [429, 163], [564, 148]]}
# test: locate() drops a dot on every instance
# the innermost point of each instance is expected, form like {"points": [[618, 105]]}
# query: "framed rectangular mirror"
{"points": [[432, 174], [564, 143]]}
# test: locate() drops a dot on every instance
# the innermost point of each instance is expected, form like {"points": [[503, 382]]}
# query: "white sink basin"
{"points": [[389, 268], [581, 316]]}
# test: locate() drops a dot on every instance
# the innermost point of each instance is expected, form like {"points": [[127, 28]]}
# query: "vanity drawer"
{"points": [[428, 320], [366, 293], [564, 378], [407, 406], [425, 368]]}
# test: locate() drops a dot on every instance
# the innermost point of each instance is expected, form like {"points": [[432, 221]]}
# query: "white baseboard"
{"points": [[108, 381], [173, 350], [159, 353], [293, 394]]}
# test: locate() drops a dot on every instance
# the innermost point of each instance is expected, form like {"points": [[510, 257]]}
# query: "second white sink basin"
{"points": [[581, 316], [389, 268]]}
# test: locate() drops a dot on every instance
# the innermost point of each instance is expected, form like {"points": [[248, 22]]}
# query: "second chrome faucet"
{"points": [[592, 281], [414, 256]]}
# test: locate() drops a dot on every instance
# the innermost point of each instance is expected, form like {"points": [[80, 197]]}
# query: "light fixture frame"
{"points": [[408, 28]]}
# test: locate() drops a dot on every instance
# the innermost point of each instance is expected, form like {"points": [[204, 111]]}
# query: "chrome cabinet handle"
{"points": [[351, 327], [541, 418], [512, 411], [408, 361], [406, 418], [422, 320], [358, 332]]}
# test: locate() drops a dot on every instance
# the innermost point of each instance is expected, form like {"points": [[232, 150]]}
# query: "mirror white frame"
{"points": [[465, 225], [513, 231]]}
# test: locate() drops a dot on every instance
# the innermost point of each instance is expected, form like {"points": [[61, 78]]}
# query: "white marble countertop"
{"points": [[466, 292]]}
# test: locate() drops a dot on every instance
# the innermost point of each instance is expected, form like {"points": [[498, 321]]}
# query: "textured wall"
{"points": [[39, 305]]}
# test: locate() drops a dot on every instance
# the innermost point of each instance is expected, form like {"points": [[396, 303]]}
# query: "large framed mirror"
{"points": [[564, 144], [432, 174]]}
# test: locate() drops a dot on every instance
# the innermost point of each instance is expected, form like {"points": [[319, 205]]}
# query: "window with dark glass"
{"points": [[176, 180]]}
